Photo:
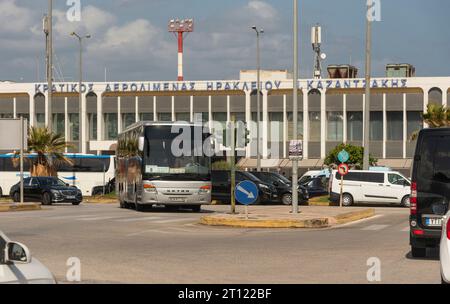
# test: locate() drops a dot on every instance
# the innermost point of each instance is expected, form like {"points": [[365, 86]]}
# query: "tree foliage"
{"points": [[49, 147], [356, 156]]}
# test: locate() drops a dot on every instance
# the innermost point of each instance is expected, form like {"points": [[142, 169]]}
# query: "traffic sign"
{"points": [[343, 156], [343, 169], [246, 192], [296, 149]]}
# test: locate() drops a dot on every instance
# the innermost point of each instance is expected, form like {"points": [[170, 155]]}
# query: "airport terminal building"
{"points": [[330, 111]]}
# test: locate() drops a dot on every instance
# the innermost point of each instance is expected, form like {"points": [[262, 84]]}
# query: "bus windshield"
{"points": [[160, 162]]}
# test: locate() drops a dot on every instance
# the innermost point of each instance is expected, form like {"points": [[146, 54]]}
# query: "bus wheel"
{"points": [[138, 207], [196, 208]]}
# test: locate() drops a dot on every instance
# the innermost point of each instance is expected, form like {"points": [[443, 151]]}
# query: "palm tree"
{"points": [[49, 148], [436, 116]]}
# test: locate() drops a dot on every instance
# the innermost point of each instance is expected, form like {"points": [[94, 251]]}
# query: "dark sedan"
{"points": [[283, 187], [47, 190]]}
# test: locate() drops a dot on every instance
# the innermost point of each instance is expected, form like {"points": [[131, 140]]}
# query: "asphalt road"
{"points": [[158, 246]]}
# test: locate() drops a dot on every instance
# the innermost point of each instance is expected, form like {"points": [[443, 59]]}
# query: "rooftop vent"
{"points": [[400, 70], [342, 71]]}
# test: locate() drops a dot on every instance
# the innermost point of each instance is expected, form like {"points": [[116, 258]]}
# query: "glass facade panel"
{"points": [[376, 126], [92, 120], [354, 126], [275, 127], [414, 123], [146, 116], [74, 126], [111, 126], [335, 126], [290, 124], [164, 116], [394, 126], [128, 119], [59, 123], [314, 126]]}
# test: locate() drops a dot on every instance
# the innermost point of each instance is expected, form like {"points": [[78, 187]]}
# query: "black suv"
{"points": [[108, 188], [283, 187], [221, 186], [47, 190], [430, 189]]}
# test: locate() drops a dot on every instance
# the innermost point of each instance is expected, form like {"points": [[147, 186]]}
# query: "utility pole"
{"points": [[295, 111], [258, 99], [49, 29], [80, 92], [366, 162]]}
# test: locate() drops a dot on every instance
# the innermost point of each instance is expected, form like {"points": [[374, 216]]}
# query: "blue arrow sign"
{"points": [[343, 156], [246, 192]]}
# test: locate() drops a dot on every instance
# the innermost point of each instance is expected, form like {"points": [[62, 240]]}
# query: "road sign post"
{"points": [[246, 193], [343, 170], [232, 163], [295, 155]]}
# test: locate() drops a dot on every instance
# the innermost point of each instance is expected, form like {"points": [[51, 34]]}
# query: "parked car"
{"points": [[430, 189], [221, 186], [108, 188], [283, 187], [317, 186], [17, 266], [388, 187], [305, 178], [47, 190], [445, 250]]}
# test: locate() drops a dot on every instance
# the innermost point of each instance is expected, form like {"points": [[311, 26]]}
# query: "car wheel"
{"points": [[76, 203], [405, 201], [46, 199], [196, 208], [286, 199], [418, 252], [16, 197], [347, 200]]}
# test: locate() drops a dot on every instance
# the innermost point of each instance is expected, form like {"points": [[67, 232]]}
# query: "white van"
{"points": [[388, 187]]}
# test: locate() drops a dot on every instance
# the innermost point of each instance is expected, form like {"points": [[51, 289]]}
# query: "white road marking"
{"points": [[173, 220], [375, 227], [137, 219], [63, 217], [95, 218], [407, 229]]}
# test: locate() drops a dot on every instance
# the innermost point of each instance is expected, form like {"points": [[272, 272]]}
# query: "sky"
{"points": [[130, 41]]}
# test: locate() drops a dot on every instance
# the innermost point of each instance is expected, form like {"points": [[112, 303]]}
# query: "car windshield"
{"points": [[51, 181], [304, 180]]}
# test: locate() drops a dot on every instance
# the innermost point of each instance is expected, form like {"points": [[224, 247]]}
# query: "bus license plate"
{"points": [[433, 222], [177, 199]]}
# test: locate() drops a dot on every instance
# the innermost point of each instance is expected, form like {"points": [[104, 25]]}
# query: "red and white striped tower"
{"points": [[179, 27]]}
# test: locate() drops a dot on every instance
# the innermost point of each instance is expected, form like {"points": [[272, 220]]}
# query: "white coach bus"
{"points": [[87, 171]]}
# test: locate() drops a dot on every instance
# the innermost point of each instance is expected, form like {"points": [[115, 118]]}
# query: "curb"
{"points": [[270, 223], [322, 204], [354, 216], [20, 207]]}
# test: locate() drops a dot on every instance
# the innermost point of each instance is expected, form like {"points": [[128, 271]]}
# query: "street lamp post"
{"points": [[50, 65], [258, 98], [80, 93], [366, 162], [295, 110]]}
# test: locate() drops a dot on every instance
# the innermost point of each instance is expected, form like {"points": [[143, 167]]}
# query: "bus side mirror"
{"points": [[141, 143]]}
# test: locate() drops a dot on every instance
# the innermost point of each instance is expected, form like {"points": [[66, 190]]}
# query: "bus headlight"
{"points": [[205, 189], [150, 188]]}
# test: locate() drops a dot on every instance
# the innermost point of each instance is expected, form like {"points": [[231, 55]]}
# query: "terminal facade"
{"points": [[330, 111]]}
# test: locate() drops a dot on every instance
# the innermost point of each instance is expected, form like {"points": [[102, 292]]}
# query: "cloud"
{"points": [[14, 18]]}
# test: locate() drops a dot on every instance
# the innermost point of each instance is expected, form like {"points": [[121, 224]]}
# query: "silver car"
{"points": [[18, 267], [445, 250]]}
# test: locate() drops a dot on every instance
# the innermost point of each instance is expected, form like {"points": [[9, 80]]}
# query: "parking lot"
{"points": [[158, 246]]}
